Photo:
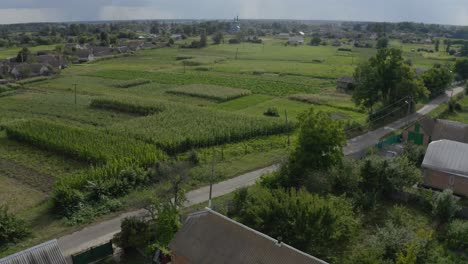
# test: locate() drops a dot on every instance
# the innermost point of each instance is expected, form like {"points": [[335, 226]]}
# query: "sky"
{"points": [[453, 12]]}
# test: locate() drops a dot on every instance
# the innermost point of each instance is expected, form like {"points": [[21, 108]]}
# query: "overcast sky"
{"points": [[427, 11]]}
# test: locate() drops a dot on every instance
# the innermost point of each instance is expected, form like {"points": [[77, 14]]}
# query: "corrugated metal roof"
{"points": [[211, 238], [451, 130], [46, 253], [447, 156]]}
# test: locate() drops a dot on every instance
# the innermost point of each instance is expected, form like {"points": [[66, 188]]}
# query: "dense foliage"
{"points": [[457, 235], [211, 92], [84, 144], [445, 205], [461, 68], [386, 79], [12, 229], [319, 147], [437, 79], [317, 225]]}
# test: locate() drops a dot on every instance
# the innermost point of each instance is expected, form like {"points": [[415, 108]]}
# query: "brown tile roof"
{"points": [[211, 238]]}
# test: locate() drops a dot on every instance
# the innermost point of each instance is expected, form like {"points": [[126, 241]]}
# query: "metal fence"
{"points": [[389, 141], [93, 254]]}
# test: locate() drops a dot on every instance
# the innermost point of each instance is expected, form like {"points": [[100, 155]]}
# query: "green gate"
{"points": [[93, 254], [416, 138], [389, 141]]}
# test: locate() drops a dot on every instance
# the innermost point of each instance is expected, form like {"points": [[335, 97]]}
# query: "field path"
{"points": [[102, 232]]}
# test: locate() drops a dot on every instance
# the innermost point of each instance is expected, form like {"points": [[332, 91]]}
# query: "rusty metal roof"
{"points": [[46, 253]]}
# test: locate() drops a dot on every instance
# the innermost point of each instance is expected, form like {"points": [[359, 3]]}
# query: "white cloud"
{"points": [[23, 15], [128, 13]]}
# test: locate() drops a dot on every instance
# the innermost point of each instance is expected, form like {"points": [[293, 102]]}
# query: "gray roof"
{"points": [[451, 130], [427, 124], [46, 253], [211, 238], [447, 156]]}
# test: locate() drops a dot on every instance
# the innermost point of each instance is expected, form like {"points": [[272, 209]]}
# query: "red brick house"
{"points": [[420, 133], [211, 238]]}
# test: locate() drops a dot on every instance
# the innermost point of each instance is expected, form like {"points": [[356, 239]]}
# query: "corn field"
{"points": [[211, 92], [132, 107]]}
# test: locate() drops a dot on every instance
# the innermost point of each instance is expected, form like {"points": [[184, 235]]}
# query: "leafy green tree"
{"points": [[203, 39], [445, 206], [316, 40], [386, 78], [437, 79], [104, 37], [12, 229], [461, 68], [218, 37], [464, 49], [317, 225], [448, 45], [23, 55], [319, 147], [437, 45], [382, 42]]}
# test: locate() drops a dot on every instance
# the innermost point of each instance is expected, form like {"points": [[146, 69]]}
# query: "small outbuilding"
{"points": [[445, 166], [345, 83], [46, 253], [209, 237]]}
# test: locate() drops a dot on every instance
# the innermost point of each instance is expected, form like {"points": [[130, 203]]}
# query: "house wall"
{"points": [[426, 138], [442, 180]]}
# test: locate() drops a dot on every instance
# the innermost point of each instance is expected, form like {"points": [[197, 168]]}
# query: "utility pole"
{"points": [[212, 177], [75, 92], [237, 52], [287, 126]]}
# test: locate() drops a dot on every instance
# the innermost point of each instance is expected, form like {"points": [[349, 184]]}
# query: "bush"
{"points": [[445, 206], [234, 41], [345, 49], [457, 235], [12, 229], [136, 233], [272, 111]]}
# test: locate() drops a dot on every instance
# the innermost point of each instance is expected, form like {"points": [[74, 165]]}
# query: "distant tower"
{"points": [[235, 27]]}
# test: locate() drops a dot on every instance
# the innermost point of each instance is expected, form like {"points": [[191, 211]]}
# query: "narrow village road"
{"points": [[102, 232]]}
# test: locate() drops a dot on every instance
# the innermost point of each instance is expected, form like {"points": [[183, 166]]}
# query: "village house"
{"points": [[28, 70], [427, 129], [135, 45], [296, 40], [46, 253], [176, 36], [345, 84], [51, 60], [211, 238], [283, 35], [84, 55], [102, 51], [445, 166]]}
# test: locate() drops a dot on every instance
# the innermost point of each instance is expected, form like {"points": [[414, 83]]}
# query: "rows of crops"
{"points": [[131, 83], [179, 128], [266, 84], [84, 144], [211, 92], [132, 107]]}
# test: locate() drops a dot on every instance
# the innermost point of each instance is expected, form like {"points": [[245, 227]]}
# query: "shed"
{"points": [[345, 83], [209, 237], [46, 253], [445, 166]]}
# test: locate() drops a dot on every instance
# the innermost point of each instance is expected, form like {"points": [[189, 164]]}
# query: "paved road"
{"points": [[102, 232], [358, 144]]}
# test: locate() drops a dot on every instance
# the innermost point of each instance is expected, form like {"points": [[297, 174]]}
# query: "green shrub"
{"points": [[271, 111], [445, 206], [12, 229], [457, 235], [184, 57]]}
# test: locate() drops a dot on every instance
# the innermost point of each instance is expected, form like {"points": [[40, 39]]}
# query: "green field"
{"points": [[171, 100]]}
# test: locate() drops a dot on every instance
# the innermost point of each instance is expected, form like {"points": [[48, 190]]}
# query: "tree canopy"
{"points": [[386, 78], [461, 68], [437, 79]]}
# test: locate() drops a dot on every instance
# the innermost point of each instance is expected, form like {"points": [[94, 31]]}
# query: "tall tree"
{"points": [[437, 45], [218, 37], [461, 68], [437, 79], [386, 78], [319, 147], [23, 55], [382, 42]]}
